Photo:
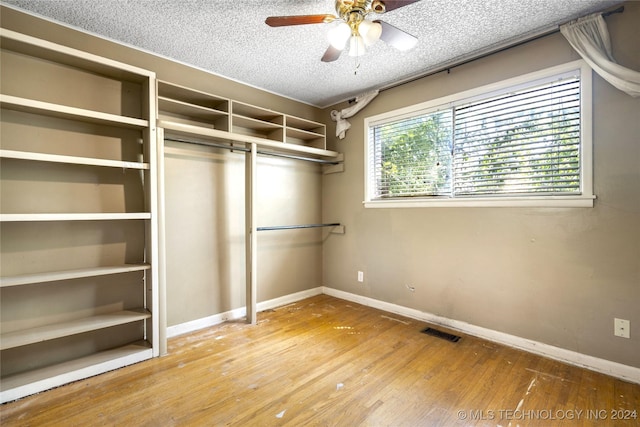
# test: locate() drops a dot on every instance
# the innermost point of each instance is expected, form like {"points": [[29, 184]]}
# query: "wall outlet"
{"points": [[621, 328], [360, 276]]}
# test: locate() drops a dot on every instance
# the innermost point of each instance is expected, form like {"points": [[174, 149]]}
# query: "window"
{"points": [[522, 142]]}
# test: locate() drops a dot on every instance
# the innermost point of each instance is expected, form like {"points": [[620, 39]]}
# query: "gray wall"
{"points": [[557, 276]]}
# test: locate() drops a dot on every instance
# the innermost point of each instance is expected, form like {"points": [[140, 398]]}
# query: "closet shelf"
{"points": [[28, 217], [180, 129], [255, 124], [31, 46], [66, 112], [56, 158], [54, 276], [22, 384], [303, 134], [73, 327], [188, 109], [188, 96]]}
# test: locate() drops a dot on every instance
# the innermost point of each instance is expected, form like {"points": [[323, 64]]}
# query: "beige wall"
{"points": [[557, 276], [206, 230]]}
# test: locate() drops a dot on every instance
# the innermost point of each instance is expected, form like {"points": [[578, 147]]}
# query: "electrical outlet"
{"points": [[621, 328], [360, 276]]}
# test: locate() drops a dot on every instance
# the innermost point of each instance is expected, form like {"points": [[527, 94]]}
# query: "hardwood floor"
{"points": [[328, 362]]}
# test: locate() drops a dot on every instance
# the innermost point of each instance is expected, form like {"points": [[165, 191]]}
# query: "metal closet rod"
{"points": [[246, 150], [293, 227]]}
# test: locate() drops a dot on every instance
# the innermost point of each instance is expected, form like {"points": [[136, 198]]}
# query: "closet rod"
{"points": [[292, 227], [246, 150]]}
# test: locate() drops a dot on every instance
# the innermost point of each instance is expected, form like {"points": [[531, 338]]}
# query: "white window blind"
{"points": [[522, 139], [524, 142], [412, 157]]}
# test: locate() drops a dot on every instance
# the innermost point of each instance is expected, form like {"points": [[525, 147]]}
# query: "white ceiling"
{"points": [[230, 38]]}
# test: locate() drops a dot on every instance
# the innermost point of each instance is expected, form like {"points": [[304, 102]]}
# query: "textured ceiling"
{"points": [[230, 38]]}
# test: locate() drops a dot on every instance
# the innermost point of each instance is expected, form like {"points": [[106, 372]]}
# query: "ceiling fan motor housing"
{"points": [[345, 8]]}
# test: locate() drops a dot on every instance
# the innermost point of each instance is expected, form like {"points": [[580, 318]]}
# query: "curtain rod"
{"points": [[448, 68], [246, 150]]}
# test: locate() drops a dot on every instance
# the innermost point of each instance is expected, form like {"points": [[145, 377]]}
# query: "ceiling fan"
{"points": [[354, 27]]}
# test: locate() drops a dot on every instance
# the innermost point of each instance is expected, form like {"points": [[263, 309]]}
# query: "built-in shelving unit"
{"points": [[182, 105], [78, 216], [189, 112]]}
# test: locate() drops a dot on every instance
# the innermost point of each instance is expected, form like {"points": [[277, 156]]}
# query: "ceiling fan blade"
{"points": [[396, 37], [331, 54], [390, 5], [281, 21]]}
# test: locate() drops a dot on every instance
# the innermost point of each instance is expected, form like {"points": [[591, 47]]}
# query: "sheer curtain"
{"points": [[340, 117], [590, 38]]}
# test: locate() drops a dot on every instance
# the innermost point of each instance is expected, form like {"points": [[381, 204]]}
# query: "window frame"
{"points": [[584, 199]]}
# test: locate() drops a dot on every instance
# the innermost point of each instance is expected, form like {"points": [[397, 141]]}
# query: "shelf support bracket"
{"points": [[327, 169]]}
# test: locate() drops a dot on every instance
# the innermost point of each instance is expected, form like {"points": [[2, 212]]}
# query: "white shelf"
{"points": [[302, 134], [255, 124], [54, 276], [73, 327], [263, 114], [192, 96], [65, 112], [23, 384], [56, 158], [187, 109], [44, 49], [73, 216], [180, 129], [305, 125]]}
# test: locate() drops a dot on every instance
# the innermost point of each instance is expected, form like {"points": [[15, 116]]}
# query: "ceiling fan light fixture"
{"points": [[339, 35], [356, 46], [370, 32]]}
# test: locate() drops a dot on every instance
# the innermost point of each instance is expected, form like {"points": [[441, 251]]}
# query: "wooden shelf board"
{"points": [[303, 134], [56, 158], [252, 123], [72, 327], [53, 276], [191, 96], [190, 110], [305, 125], [180, 129], [30, 382], [72, 216], [67, 112], [259, 113], [44, 49]]}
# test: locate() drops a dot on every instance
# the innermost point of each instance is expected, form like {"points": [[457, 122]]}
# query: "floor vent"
{"points": [[439, 334]]}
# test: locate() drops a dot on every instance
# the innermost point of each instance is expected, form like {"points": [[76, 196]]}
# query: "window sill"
{"points": [[486, 202]]}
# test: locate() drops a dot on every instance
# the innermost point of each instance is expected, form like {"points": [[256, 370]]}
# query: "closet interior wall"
{"points": [[205, 229]]}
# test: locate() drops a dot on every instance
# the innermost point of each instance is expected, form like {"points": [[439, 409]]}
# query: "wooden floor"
{"points": [[328, 362]]}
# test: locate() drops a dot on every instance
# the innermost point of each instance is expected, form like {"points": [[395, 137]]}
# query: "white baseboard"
{"points": [[205, 322], [618, 370]]}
